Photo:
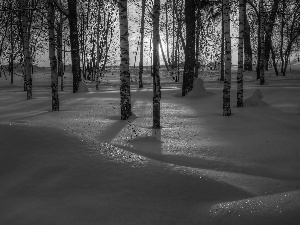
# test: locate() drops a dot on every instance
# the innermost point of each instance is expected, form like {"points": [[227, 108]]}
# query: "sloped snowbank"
{"points": [[278, 209]]}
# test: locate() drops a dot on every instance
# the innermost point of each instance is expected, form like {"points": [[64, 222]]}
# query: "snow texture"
{"points": [[83, 165]]}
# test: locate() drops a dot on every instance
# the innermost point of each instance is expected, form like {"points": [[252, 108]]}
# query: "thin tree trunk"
{"points": [[247, 45], [222, 47], [197, 63], [59, 52], [75, 56], [227, 77], [12, 48], [124, 65], [26, 47], [189, 65], [269, 32], [156, 78], [52, 57], [167, 34], [98, 48], [240, 53], [282, 36], [258, 46], [274, 60], [262, 38], [141, 64]]}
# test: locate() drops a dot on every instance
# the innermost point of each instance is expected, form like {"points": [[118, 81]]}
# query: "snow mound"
{"points": [[198, 90], [282, 208], [82, 88], [255, 99]]}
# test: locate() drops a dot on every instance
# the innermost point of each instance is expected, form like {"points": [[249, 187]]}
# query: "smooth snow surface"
{"points": [[82, 165]]}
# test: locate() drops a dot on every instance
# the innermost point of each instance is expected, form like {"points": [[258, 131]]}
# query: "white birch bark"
{"points": [[124, 65], [52, 56], [156, 78], [240, 53], [262, 37], [26, 47], [227, 77]]}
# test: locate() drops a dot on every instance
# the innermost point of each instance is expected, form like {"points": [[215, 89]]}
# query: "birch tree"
{"points": [[75, 56], [227, 77], [141, 64], [124, 65], [156, 78], [24, 6], [262, 38], [189, 65], [247, 44], [52, 56], [240, 53]]}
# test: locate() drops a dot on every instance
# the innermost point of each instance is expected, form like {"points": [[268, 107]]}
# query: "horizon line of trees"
{"points": [[191, 33]]}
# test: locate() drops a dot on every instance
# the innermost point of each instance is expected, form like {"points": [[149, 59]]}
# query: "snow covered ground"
{"points": [[82, 165]]}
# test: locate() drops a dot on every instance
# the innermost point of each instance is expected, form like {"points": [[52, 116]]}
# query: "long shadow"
{"points": [[119, 124], [202, 163]]}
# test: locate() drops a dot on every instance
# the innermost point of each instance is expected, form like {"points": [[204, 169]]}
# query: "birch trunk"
{"points": [[189, 65], [222, 47], [262, 38], [59, 52], [124, 65], [26, 48], [141, 64], [247, 45], [97, 47], [75, 56], [156, 78], [227, 77], [197, 63], [52, 57], [240, 53]]}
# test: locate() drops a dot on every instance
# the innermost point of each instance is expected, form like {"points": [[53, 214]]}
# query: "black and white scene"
{"points": [[149, 112]]}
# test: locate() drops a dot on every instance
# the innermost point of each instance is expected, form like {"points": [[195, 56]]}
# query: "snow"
{"points": [[83, 165]]}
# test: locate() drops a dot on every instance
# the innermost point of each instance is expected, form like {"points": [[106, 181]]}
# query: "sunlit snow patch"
{"points": [[275, 209]]}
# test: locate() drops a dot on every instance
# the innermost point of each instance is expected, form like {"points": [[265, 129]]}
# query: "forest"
{"points": [[149, 111]]}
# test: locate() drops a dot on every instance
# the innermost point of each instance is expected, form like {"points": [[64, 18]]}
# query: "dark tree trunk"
{"points": [[189, 65], [227, 78], [156, 78], [222, 48], [240, 54], [141, 64], [274, 60], [59, 53], [75, 56], [124, 65], [247, 45], [269, 31], [52, 56]]}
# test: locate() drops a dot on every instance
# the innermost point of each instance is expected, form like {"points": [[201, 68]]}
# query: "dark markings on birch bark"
{"points": [[124, 65], [227, 77], [141, 64], [222, 47], [262, 38], [189, 65], [26, 48], [52, 56], [156, 78], [240, 54], [247, 45], [75, 56]]}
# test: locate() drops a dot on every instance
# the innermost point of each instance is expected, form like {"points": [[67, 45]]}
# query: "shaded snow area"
{"points": [[82, 165]]}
